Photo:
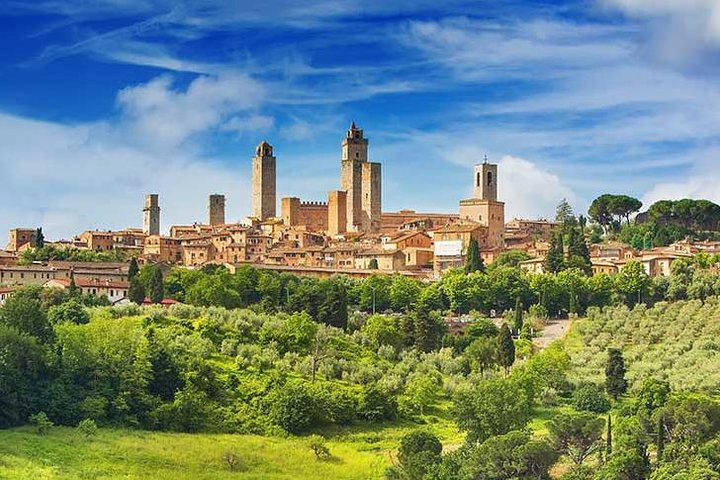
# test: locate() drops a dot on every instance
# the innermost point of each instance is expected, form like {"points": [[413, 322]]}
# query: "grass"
{"points": [[359, 452]]}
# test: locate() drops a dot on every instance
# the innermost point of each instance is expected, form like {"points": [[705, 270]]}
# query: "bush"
{"points": [[293, 407], [419, 452], [579, 472], [42, 423], [590, 398], [319, 447], [87, 428], [231, 460]]}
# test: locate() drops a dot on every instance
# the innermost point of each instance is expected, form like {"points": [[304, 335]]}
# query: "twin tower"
{"points": [[356, 207]]}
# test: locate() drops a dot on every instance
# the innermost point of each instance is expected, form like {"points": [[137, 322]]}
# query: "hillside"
{"points": [[677, 342]]}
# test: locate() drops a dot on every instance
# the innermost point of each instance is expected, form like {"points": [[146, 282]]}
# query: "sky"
{"points": [[104, 101]]}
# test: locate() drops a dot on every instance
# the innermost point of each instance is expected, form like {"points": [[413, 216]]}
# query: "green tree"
{"points": [[505, 348], [22, 367], [518, 316], [404, 293], [155, 288], [24, 312], [473, 261], [39, 238], [481, 353], [632, 282], [71, 311], [590, 397], [133, 269], [578, 435], [555, 258], [510, 258], [615, 382], [514, 455], [493, 407], [136, 291], [419, 452], [564, 213]]}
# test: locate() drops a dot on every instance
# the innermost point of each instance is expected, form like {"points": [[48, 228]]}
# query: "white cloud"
{"points": [[160, 116], [701, 182], [253, 123], [529, 191], [94, 175]]}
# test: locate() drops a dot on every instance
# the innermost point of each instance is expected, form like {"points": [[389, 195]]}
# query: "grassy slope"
{"points": [[358, 453]]}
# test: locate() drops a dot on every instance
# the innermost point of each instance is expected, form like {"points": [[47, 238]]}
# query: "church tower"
{"points": [[362, 183], [263, 182], [484, 208], [151, 215], [485, 181]]}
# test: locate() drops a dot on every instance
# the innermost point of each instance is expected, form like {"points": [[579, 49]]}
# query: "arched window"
{"points": [[478, 179], [489, 178]]}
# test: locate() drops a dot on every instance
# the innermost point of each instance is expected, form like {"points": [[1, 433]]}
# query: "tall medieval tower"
{"points": [[151, 215], [216, 209], [484, 207], [362, 182], [263, 182]]}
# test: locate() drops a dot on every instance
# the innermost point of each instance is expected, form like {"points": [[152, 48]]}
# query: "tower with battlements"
{"points": [[361, 180], [263, 182], [151, 215]]}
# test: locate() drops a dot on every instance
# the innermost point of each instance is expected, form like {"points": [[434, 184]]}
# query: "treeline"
{"points": [[501, 288], [664, 222], [46, 253]]}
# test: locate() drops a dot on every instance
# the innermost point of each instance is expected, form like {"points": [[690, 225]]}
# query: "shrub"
{"points": [[87, 428], [319, 447], [42, 423], [590, 398], [231, 460], [579, 472]]}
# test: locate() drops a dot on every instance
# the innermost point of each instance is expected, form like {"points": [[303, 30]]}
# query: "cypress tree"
{"points": [[39, 238], [578, 251], [615, 382], [474, 262], [518, 316], [136, 292], [660, 438], [555, 258], [133, 269], [156, 290], [608, 439], [505, 348], [73, 289]]}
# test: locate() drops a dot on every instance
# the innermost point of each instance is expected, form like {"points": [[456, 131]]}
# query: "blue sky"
{"points": [[101, 102]]}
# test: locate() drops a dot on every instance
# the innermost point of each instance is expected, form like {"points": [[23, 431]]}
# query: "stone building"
{"points": [[151, 215], [361, 180], [263, 182], [216, 209], [484, 208], [20, 237], [311, 215]]}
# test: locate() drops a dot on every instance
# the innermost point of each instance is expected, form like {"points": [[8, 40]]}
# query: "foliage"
{"points": [[42, 423], [318, 445], [87, 427], [493, 407], [615, 382], [576, 434], [590, 397], [473, 262], [505, 348], [419, 453]]}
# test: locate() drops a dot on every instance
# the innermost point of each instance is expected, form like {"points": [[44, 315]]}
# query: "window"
{"points": [[489, 178], [478, 179]]}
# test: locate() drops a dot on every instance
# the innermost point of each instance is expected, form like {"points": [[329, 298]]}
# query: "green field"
{"points": [[359, 453]]}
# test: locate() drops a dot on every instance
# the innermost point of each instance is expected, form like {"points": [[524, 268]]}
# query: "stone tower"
{"points": [[485, 181], [151, 215], [361, 181], [263, 182], [216, 209], [484, 208]]}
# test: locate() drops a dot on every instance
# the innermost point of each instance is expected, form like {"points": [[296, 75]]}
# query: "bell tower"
{"points": [[485, 181]]}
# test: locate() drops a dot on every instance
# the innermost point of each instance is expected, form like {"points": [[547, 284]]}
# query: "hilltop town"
{"points": [[348, 233]]}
